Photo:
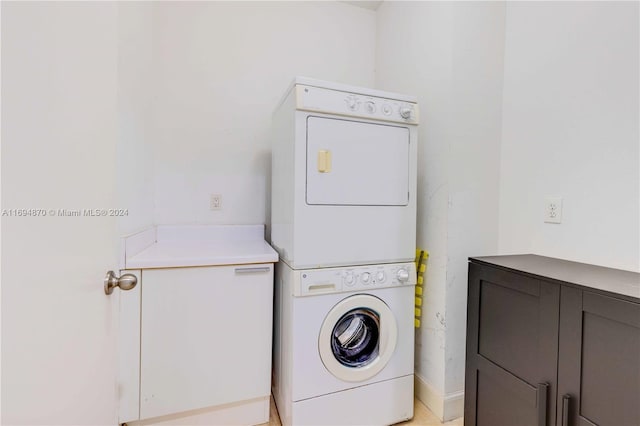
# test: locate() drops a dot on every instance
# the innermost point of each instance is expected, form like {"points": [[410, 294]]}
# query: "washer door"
{"points": [[358, 338]]}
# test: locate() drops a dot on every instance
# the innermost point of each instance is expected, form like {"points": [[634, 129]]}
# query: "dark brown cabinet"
{"points": [[545, 346]]}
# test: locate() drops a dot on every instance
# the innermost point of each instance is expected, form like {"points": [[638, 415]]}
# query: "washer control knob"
{"points": [[403, 275], [380, 276], [349, 279], [365, 277], [405, 112], [386, 109], [370, 107]]}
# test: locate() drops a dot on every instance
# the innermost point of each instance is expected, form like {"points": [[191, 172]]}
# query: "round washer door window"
{"points": [[358, 338]]}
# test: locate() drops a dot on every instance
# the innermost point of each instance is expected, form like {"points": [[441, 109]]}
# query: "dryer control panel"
{"points": [[329, 101], [310, 282]]}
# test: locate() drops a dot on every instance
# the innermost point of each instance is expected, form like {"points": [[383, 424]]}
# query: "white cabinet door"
{"points": [[206, 337], [356, 163]]}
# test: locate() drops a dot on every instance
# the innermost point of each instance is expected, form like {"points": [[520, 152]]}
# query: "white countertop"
{"points": [[197, 245]]}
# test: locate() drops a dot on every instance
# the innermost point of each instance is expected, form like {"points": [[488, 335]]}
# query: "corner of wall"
{"points": [[444, 407]]}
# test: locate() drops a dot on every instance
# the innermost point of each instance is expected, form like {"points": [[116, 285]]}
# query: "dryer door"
{"points": [[358, 338], [356, 163]]}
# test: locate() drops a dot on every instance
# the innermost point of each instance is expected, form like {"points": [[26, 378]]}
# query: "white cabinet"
{"points": [[206, 337], [195, 333]]}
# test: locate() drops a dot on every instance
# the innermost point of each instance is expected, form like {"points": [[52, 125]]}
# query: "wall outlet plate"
{"points": [[553, 210], [215, 202]]}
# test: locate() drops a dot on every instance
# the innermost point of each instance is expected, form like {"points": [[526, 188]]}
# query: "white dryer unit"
{"points": [[343, 176], [343, 347]]}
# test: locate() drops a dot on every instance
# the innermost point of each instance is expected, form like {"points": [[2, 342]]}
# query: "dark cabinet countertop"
{"points": [[608, 280]]}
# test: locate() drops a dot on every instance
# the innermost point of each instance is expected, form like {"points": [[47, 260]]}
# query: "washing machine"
{"points": [[343, 176], [344, 344]]}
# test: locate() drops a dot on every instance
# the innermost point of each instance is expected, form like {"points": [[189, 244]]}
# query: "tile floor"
{"points": [[421, 417]]}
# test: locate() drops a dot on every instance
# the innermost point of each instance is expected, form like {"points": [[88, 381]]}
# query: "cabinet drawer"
{"points": [[205, 337]]}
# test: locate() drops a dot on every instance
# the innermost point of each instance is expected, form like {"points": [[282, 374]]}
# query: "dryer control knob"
{"points": [[365, 277], [405, 112], [349, 279], [380, 276], [403, 275]]}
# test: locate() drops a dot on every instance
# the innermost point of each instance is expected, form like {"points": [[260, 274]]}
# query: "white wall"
{"points": [[570, 128], [198, 82], [451, 57], [474, 158], [219, 70]]}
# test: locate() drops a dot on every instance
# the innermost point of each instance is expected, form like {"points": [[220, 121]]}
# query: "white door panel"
{"points": [[59, 134], [206, 337], [356, 163]]}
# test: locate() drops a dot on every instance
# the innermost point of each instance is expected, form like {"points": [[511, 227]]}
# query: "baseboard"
{"points": [[445, 407], [429, 397], [453, 405], [245, 413]]}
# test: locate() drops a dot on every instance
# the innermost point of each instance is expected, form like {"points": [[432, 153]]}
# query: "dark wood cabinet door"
{"points": [[599, 360], [512, 349]]}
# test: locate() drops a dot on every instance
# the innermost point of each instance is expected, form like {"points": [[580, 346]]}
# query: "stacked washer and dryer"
{"points": [[343, 220]]}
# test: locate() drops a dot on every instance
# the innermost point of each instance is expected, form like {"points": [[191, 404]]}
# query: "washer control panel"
{"points": [[330, 101], [356, 278]]}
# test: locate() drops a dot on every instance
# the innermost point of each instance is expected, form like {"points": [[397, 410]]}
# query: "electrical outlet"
{"points": [[553, 210], [215, 203]]}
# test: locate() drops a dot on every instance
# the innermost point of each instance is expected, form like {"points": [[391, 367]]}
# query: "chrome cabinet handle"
{"points": [[253, 270], [125, 282]]}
